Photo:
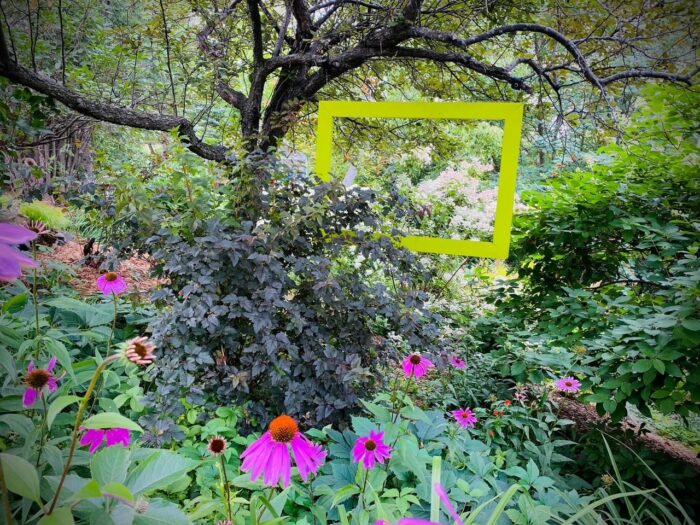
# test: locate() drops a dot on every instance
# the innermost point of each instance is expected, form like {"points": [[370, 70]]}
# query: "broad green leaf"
{"points": [[60, 516], [162, 513], [16, 304], [57, 349], [18, 423], [158, 471], [111, 420], [58, 405], [119, 490], [691, 324], [90, 490], [110, 465], [277, 505], [21, 477]]}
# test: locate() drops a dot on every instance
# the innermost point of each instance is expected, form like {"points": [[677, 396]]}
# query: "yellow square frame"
{"points": [[509, 112]]}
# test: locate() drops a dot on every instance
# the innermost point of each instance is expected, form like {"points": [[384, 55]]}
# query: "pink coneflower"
{"points": [[111, 283], [568, 384], [458, 362], [36, 380], [371, 449], [95, 436], [416, 365], [520, 396], [217, 445], [11, 259], [270, 453], [140, 351], [465, 417]]}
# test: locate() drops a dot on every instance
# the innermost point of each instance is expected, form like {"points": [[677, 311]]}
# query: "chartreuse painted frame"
{"points": [[509, 112]]}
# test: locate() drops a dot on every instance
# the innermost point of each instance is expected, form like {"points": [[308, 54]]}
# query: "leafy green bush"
{"points": [[608, 262], [292, 311]]}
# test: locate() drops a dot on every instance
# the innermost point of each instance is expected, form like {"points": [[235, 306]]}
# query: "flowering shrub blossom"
{"points": [[140, 351]]}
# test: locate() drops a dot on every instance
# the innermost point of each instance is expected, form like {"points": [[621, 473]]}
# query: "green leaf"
{"points": [[18, 423], [60, 516], [642, 366], [277, 504], [659, 365], [57, 405], [21, 477], [162, 513], [119, 490], [158, 471], [90, 490], [346, 492], [111, 420], [16, 303], [691, 324], [57, 349], [110, 465]]}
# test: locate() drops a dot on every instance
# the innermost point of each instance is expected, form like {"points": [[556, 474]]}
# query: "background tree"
{"points": [[186, 65]]}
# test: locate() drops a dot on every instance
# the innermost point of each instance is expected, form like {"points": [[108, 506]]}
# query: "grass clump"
{"points": [[51, 216]]}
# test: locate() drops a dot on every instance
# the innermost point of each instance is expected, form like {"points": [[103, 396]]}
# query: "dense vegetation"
{"points": [[195, 329]]}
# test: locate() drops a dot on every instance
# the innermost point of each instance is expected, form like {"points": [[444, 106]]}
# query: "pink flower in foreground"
{"points": [[438, 488], [568, 384], [416, 365], [36, 380], [95, 436], [370, 449], [111, 283], [11, 259], [465, 417], [270, 454], [458, 362], [140, 351]]}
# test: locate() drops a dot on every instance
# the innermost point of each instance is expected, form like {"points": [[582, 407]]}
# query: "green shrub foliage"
{"points": [[291, 312], [610, 269]]}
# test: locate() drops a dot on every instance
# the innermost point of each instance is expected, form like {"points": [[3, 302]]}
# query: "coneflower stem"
{"points": [[44, 430], [5, 497], [114, 324], [364, 486], [405, 393], [35, 294], [76, 428], [227, 493]]}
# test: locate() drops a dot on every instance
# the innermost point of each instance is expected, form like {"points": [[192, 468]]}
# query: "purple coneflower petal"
{"points": [[118, 435], [30, 396], [14, 234], [94, 438], [52, 364]]}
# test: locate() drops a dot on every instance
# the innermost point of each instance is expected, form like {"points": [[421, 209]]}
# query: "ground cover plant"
{"points": [[194, 329]]}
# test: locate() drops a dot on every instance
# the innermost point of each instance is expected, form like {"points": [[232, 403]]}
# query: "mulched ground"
{"points": [[135, 270]]}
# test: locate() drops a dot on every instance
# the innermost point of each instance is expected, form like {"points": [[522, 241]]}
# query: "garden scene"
{"points": [[486, 314]]}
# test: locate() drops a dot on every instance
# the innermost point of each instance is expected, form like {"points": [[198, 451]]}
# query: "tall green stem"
{"points": [[227, 491], [5, 497], [364, 486], [405, 392], [114, 324], [76, 428], [44, 430], [35, 294]]}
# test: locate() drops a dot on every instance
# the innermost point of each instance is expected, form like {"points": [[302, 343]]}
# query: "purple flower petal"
{"points": [[30, 396], [13, 234], [94, 438], [12, 261], [118, 435]]}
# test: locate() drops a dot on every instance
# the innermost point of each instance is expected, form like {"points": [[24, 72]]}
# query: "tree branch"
{"points": [[107, 112], [256, 25]]}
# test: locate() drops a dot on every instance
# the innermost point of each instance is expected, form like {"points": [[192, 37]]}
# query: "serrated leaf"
{"points": [[60, 516], [110, 465], [119, 490]]}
